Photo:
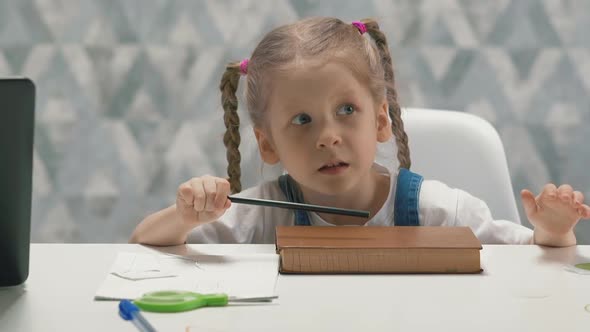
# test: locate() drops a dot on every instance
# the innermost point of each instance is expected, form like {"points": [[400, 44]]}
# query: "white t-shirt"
{"points": [[439, 205]]}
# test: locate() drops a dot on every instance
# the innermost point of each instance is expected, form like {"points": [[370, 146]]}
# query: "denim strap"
{"points": [[293, 194], [406, 198]]}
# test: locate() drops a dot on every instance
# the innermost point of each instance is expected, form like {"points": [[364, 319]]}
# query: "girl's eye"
{"points": [[301, 119], [346, 110]]}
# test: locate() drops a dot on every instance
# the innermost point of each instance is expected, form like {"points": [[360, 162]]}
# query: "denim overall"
{"points": [[405, 206]]}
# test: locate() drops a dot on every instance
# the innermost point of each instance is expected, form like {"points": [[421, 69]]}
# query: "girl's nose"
{"points": [[328, 137]]}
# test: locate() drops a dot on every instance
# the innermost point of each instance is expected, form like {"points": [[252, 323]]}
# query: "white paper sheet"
{"points": [[134, 266], [251, 275]]}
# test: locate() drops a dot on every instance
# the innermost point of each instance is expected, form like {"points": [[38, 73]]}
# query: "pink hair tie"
{"points": [[244, 67], [361, 26]]}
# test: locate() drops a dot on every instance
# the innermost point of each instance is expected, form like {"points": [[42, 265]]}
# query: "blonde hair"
{"points": [[318, 37]]}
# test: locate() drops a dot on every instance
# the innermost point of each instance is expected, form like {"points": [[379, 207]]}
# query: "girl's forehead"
{"points": [[303, 68], [332, 77]]}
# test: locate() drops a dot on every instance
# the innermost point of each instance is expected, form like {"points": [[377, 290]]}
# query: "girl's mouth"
{"points": [[334, 168]]}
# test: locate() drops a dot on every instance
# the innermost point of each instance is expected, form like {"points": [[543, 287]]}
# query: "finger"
{"points": [[528, 202], [578, 198], [585, 211], [198, 194], [210, 191], [549, 192], [565, 193], [185, 195], [223, 189]]}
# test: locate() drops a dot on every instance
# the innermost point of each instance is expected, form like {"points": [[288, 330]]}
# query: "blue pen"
{"points": [[129, 311]]}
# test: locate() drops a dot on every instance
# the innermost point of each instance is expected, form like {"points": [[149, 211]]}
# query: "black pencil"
{"points": [[300, 206]]}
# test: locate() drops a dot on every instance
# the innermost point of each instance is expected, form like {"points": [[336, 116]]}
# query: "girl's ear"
{"points": [[267, 151], [383, 123]]}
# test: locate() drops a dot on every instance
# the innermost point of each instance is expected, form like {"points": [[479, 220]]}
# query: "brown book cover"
{"points": [[372, 249]]}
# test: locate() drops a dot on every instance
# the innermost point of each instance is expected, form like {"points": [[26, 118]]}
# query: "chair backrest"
{"points": [[464, 151], [459, 149]]}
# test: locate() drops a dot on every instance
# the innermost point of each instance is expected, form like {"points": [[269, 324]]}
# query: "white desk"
{"points": [[523, 288]]}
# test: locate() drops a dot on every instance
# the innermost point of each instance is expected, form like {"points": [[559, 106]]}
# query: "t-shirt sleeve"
{"points": [[440, 205], [244, 223]]}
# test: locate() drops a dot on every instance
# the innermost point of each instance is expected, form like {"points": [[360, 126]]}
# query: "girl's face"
{"points": [[323, 126]]}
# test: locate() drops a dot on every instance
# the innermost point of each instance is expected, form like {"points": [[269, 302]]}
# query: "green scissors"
{"points": [[177, 301]]}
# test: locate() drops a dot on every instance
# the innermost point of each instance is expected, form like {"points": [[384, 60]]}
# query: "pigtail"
{"points": [[401, 138], [231, 138]]}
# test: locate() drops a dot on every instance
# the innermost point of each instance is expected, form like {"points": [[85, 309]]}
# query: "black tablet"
{"points": [[17, 108]]}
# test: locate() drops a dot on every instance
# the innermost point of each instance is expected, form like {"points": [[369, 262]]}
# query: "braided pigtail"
{"points": [[231, 138], [401, 138]]}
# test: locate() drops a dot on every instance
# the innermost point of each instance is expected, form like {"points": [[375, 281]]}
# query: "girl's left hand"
{"points": [[556, 211]]}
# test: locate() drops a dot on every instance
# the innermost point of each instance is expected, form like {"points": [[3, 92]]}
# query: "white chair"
{"points": [[459, 149], [464, 151]]}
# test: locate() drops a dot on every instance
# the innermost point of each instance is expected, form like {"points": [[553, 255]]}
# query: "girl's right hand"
{"points": [[203, 199]]}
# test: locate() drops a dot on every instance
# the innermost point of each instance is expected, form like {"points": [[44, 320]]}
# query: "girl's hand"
{"points": [[554, 213], [202, 200]]}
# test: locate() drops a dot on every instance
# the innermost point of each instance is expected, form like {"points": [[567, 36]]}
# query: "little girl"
{"points": [[321, 96]]}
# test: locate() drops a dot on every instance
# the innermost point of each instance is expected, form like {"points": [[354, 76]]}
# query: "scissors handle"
{"points": [[177, 301]]}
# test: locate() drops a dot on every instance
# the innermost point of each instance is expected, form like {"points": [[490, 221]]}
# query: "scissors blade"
{"points": [[253, 299]]}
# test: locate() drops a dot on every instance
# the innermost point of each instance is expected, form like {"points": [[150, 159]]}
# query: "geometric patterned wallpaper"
{"points": [[128, 105]]}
